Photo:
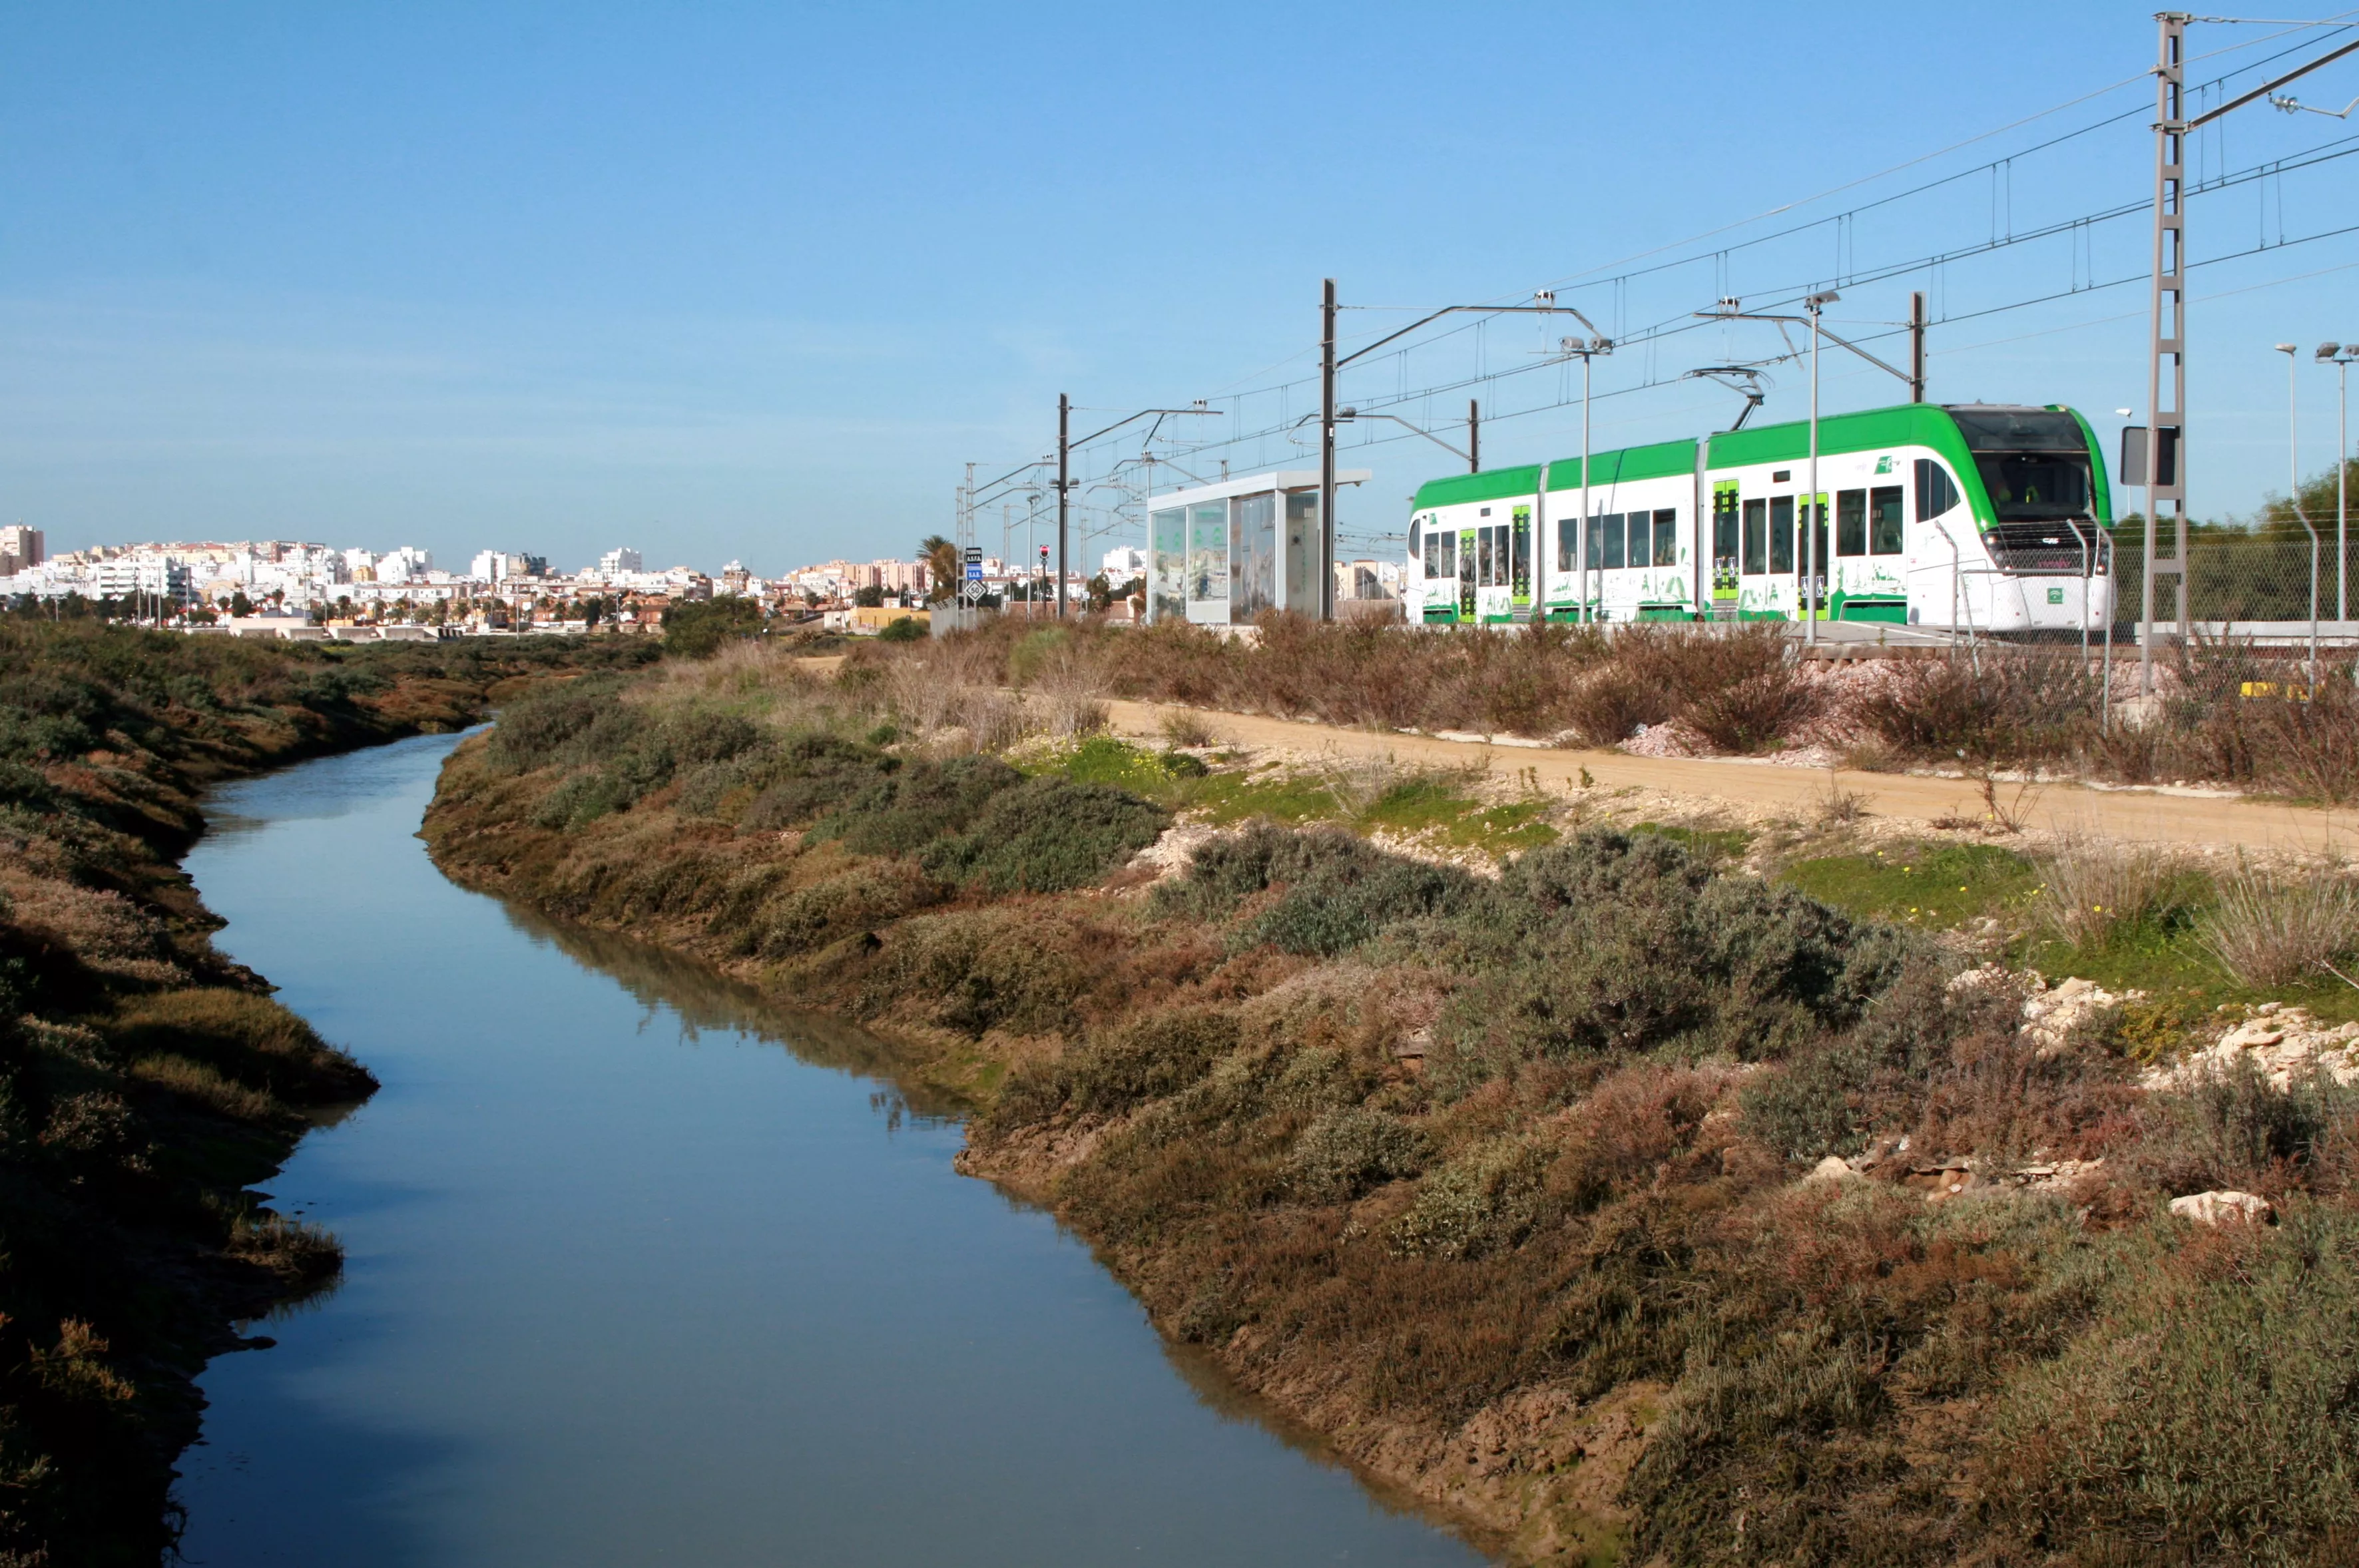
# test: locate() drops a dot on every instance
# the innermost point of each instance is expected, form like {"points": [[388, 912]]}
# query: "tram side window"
{"points": [[1666, 536], [1433, 553], [1640, 540], [1936, 491], [1449, 540], [1723, 526], [1884, 525], [1611, 527], [1851, 522], [1416, 533], [1568, 534], [1781, 533], [1756, 537], [1488, 561]]}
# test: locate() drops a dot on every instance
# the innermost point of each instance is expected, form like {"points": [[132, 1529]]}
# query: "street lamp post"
{"points": [[1586, 350], [2340, 356], [1813, 305], [2293, 499]]}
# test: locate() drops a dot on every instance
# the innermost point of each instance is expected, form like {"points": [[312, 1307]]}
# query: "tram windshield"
{"points": [[2034, 462], [2035, 487]]}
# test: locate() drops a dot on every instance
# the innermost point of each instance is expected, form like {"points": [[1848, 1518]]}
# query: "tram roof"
{"points": [[1903, 424]]}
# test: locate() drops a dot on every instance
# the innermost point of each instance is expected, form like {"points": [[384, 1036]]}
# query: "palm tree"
{"points": [[942, 559]]}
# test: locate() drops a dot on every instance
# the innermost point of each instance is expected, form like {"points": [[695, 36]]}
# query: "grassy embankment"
{"points": [[1494, 1178], [146, 1082]]}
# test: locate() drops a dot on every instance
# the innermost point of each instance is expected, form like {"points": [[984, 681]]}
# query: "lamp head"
{"points": [[2126, 413], [1825, 296], [1543, 295], [2327, 351], [2285, 348]]}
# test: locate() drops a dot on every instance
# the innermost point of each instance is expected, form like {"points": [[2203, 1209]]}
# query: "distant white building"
{"points": [[401, 565], [625, 560], [1123, 564], [499, 566]]}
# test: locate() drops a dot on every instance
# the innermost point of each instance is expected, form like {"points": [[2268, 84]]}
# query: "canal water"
{"points": [[639, 1273]]}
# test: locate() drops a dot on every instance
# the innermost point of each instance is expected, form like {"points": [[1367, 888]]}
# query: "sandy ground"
{"points": [[2186, 818]]}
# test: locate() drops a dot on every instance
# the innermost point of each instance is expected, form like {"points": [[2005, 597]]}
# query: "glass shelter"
{"points": [[1219, 555]]}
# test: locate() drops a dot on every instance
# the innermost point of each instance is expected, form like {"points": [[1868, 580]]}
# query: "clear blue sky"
{"points": [[756, 280]]}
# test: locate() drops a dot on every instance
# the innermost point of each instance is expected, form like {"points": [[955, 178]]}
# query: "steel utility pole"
{"points": [[1064, 483], [1329, 363], [1327, 453], [2166, 341], [1917, 347], [2166, 464]]}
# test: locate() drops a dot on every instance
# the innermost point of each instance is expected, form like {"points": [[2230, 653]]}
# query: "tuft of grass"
{"points": [[1187, 729], [2094, 888], [2269, 930]]}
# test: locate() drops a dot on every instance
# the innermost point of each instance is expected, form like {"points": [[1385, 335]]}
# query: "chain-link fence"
{"points": [[2239, 573]]}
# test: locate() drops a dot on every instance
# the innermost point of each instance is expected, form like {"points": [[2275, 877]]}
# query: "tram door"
{"points": [[1811, 586], [1467, 569]]}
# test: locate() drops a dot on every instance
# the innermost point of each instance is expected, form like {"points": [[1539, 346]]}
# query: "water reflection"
{"points": [[703, 999], [628, 1283]]}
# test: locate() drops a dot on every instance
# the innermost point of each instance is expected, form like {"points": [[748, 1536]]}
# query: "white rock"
{"points": [[2221, 1208], [2282, 1045], [1831, 1169], [2051, 1015]]}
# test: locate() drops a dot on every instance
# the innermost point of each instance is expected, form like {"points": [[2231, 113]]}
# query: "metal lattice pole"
{"points": [[2165, 477]]}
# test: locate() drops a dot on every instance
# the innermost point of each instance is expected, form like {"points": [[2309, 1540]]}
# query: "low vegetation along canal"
{"points": [[638, 1273]]}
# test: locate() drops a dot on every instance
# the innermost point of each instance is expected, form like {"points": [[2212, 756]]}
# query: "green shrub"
{"points": [[1618, 942], [1046, 834], [1148, 1058], [2233, 1128], [804, 919], [1482, 1202], [804, 777], [2211, 1412], [905, 811], [977, 970], [1225, 872], [1349, 1150]]}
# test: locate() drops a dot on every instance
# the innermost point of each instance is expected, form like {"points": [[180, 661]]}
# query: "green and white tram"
{"points": [[1985, 516]]}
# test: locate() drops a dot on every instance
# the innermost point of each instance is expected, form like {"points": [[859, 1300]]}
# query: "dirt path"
{"points": [[2153, 816]]}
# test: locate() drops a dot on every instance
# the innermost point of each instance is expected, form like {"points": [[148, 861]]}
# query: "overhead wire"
{"points": [[1236, 397]]}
